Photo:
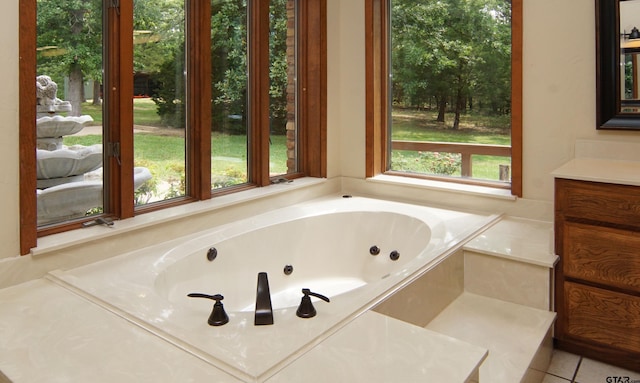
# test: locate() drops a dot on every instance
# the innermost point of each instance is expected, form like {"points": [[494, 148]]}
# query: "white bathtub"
{"points": [[327, 243], [329, 254]]}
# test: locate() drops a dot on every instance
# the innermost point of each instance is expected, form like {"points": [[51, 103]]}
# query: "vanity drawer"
{"points": [[606, 317], [610, 203], [601, 254]]}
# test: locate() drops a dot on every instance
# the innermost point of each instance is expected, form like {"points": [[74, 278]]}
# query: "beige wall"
{"points": [[9, 170], [559, 97]]}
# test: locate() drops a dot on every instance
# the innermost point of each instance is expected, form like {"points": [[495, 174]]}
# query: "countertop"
{"points": [[613, 171]]}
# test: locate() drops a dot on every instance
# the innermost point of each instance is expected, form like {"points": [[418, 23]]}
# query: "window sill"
{"points": [[450, 187], [56, 242]]}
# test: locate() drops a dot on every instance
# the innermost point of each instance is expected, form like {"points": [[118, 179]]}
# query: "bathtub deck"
{"points": [[378, 348], [48, 333]]}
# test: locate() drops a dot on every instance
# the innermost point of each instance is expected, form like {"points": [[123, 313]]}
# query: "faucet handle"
{"points": [[306, 309], [218, 316]]}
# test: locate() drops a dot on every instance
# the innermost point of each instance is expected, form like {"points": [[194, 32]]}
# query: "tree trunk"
{"points": [[97, 99], [442, 108], [458, 108], [75, 91]]}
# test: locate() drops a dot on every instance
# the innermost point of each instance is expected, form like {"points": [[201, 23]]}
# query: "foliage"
{"points": [[427, 162], [160, 27], [229, 177], [451, 52], [69, 40], [74, 28], [167, 181], [158, 31], [229, 45], [170, 94], [278, 79], [147, 190]]}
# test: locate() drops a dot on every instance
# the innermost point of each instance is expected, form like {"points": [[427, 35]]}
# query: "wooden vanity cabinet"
{"points": [[597, 288]]}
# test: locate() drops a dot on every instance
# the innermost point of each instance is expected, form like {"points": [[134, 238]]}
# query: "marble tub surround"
{"points": [[507, 305], [517, 239], [507, 280], [513, 261], [421, 301], [81, 342], [518, 337], [495, 294], [127, 285], [49, 334], [365, 344], [402, 352]]}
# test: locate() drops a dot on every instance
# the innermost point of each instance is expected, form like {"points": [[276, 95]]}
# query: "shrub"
{"points": [[427, 162]]}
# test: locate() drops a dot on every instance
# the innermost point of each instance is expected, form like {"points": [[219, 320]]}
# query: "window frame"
{"points": [[377, 14], [312, 80]]}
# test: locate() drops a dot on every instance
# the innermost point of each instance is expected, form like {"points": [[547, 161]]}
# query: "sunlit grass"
{"points": [[145, 112], [411, 125], [164, 154]]}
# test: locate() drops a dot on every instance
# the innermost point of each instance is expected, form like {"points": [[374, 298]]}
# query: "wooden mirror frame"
{"points": [[608, 114]]}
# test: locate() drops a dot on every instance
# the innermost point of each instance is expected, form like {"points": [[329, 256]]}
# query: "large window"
{"points": [[147, 104], [444, 90]]}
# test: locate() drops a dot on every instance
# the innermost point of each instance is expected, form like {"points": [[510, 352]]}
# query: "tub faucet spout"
{"points": [[264, 312]]}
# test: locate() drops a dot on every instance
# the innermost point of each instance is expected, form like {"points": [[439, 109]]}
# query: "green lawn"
{"points": [[144, 112], [164, 155], [413, 125]]}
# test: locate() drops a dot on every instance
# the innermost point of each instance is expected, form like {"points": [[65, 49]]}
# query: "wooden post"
{"points": [[504, 173]]}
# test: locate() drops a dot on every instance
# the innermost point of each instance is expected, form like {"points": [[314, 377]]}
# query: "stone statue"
{"points": [[47, 100], [46, 91]]}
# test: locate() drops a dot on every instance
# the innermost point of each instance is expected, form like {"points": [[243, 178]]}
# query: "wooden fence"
{"points": [[464, 149]]}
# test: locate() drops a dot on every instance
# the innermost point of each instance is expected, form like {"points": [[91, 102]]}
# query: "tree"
{"points": [[159, 52], [451, 51], [494, 85], [70, 44], [229, 66], [158, 31], [278, 77]]}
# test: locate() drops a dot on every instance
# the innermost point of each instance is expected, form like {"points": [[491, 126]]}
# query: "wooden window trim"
{"points": [[198, 135], [259, 93], [516, 97], [27, 136], [311, 116], [377, 86], [312, 88], [118, 110]]}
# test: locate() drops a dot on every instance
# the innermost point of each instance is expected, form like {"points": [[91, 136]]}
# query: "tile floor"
{"points": [[566, 367]]}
